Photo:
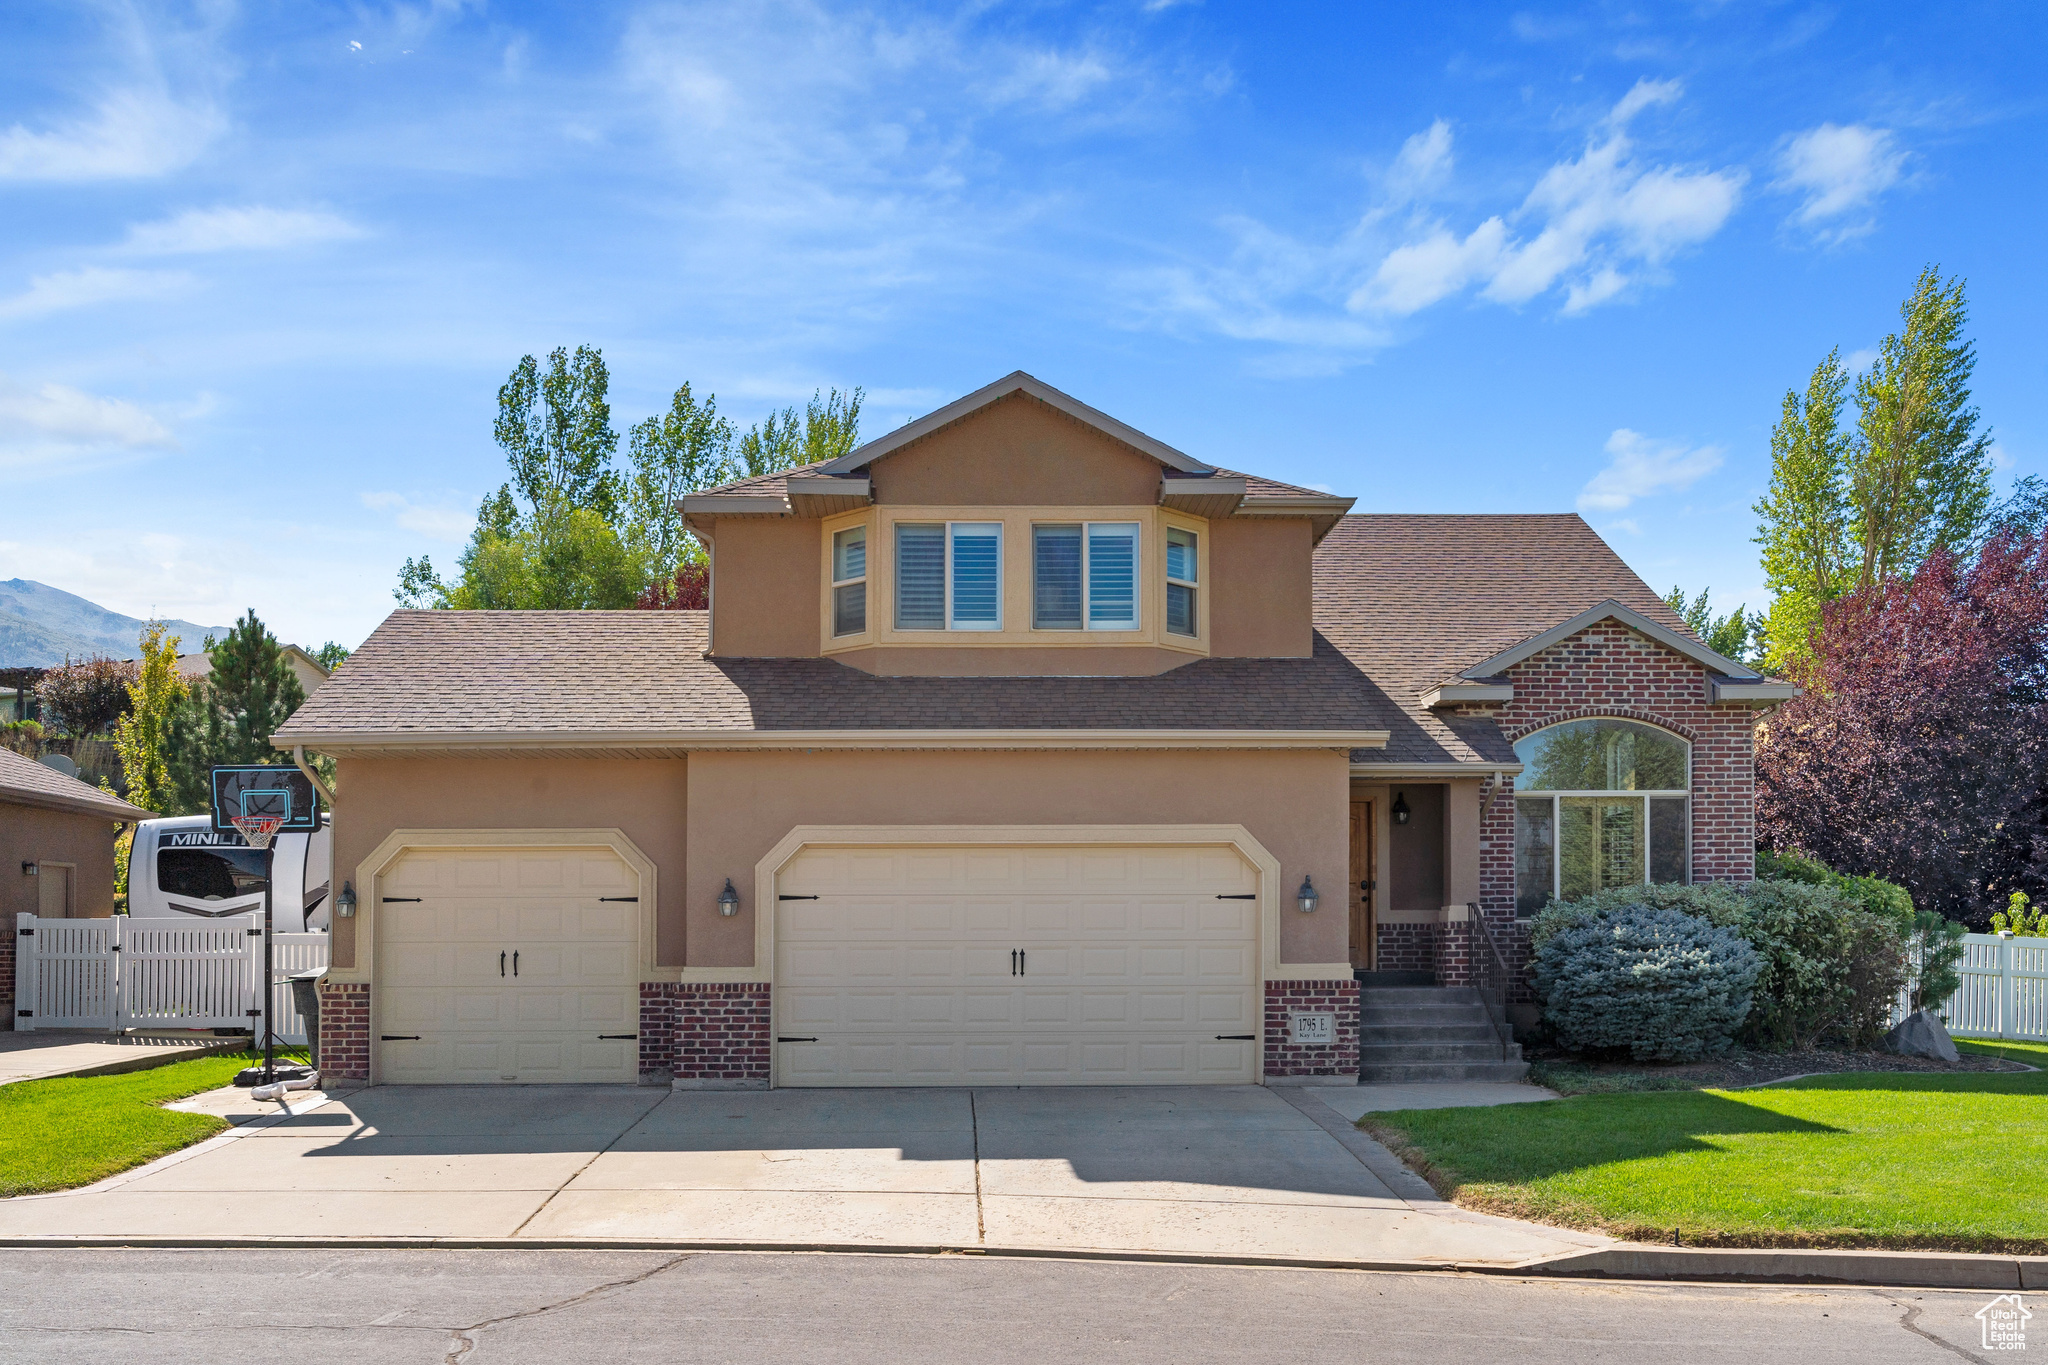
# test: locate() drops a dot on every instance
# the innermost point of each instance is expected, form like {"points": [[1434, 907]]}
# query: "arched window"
{"points": [[1599, 803]]}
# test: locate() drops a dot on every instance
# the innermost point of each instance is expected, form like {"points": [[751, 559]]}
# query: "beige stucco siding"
{"points": [[1017, 452], [30, 834], [764, 585], [1260, 571], [645, 798], [1294, 803]]}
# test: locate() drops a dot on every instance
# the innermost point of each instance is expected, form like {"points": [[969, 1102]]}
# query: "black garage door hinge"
{"points": [[796, 898], [795, 1040], [400, 900], [398, 1037], [602, 899], [628, 1036], [1236, 1037], [1243, 896]]}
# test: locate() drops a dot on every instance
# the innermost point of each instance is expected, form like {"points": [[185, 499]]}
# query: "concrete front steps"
{"points": [[1410, 1033]]}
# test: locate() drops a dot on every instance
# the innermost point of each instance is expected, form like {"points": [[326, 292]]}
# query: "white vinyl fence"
{"points": [[2004, 992], [121, 973]]}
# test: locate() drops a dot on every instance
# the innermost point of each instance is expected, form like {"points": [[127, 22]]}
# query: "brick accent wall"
{"points": [[1285, 1057], [345, 1030], [713, 1031], [1408, 947]]}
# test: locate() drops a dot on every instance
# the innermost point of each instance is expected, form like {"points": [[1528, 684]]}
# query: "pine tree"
{"points": [[230, 717]]}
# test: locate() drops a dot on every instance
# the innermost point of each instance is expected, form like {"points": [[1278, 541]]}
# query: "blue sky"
{"points": [[265, 266]]}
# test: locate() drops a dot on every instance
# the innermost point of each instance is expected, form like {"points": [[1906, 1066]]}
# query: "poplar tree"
{"points": [[142, 736], [1850, 509]]}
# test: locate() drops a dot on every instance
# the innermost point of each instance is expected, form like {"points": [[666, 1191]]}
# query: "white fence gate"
{"points": [[2004, 992], [121, 973]]}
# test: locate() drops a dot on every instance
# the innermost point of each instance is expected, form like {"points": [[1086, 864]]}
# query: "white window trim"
{"points": [[953, 622], [1137, 617], [860, 580], [1193, 585], [1645, 795]]}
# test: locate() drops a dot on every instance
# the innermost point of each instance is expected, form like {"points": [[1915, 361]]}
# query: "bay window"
{"points": [[1599, 804], [1180, 581], [850, 581]]}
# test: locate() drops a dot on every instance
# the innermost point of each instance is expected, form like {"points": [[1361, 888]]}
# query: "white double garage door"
{"points": [[950, 965]]}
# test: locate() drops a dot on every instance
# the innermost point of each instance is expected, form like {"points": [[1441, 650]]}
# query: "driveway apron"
{"points": [[1233, 1171]]}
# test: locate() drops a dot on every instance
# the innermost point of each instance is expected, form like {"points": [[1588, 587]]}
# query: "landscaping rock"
{"points": [[1922, 1034]]}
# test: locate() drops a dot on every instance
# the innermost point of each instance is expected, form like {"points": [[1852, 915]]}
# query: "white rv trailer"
{"points": [[182, 865]]}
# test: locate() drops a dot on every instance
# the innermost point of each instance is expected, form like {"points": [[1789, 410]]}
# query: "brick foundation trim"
{"points": [[1284, 1056], [345, 1030], [7, 933], [706, 1033]]}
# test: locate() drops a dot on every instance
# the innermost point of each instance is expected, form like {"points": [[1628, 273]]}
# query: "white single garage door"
{"points": [[1089, 965], [507, 965]]}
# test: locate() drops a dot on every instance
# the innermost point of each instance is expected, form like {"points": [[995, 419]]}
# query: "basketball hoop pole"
{"points": [[269, 986]]}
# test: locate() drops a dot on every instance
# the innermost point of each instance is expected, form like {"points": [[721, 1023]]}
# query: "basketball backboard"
{"points": [[280, 790]]}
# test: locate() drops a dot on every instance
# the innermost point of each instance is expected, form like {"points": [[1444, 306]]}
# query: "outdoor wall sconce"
{"points": [[728, 900], [1400, 811], [29, 869], [345, 903], [1307, 898]]}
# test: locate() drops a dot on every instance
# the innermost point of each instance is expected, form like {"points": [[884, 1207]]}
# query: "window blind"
{"points": [[1113, 576], [977, 575], [920, 576], [1056, 577]]}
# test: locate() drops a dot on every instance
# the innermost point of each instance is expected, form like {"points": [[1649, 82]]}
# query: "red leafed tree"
{"points": [[689, 590], [1919, 752]]}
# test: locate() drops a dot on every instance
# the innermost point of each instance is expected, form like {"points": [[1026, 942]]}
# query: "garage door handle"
{"points": [[515, 962], [501, 964], [400, 900], [1244, 896], [1236, 1037], [398, 1037], [796, 1040]]}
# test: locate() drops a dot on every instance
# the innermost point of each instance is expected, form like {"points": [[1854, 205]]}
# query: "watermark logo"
{"points": [[2005, 1323]]}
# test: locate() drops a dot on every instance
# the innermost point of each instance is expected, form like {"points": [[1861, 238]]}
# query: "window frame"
{"points": [[1643, 795], [951, 624], [837, 584], [1136, 622], [1193, 585]]}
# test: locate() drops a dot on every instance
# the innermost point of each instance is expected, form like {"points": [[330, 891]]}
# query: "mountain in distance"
{"points": [[41, 625]]}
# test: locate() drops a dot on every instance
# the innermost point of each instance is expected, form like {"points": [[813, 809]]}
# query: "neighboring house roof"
{"points": [[198, 667], [638, 680], [25, 782], [1419, 601]]}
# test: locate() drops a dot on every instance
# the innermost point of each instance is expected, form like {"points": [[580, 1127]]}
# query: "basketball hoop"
{"points": [[258, 830]]}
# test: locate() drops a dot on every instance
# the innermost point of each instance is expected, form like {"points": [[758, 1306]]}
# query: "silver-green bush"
{"points": [[1667, 985]]}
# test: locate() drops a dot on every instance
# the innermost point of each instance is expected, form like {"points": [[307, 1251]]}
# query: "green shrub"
{"points": [[2018, 920], [1666, 985], [1832, 966]]}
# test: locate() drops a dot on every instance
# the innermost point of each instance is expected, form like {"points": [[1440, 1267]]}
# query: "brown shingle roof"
{"points": [[1413, 600], [535, 673], [25, 782]]}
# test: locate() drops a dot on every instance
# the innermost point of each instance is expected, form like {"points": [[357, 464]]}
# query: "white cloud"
{"points": [[445, 523], [1840, 170], [1414, 276], [1423, 165], [252, 228], [1645, 94], [68, 289], [1638, 466], [130, 133], [52, 424]]}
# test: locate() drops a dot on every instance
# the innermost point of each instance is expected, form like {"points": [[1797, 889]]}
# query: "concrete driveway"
{"points": [[1217, 1171]]}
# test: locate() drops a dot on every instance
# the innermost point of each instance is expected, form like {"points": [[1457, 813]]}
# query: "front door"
{"points": [[1365, 935]]}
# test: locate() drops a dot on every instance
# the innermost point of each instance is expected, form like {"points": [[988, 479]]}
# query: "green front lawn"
{"points": [[59, 1134], [2033, 1054], [1875, 1159]]}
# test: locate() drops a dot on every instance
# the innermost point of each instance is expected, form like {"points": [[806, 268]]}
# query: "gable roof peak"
{"points": [[1015, 382], [1628, 616]]}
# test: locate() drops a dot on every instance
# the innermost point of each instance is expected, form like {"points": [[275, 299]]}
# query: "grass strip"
{"points": [[1905, 1160], [69, 1131]]}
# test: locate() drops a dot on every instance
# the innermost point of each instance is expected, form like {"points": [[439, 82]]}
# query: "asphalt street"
{"points": [[547, 1307]]}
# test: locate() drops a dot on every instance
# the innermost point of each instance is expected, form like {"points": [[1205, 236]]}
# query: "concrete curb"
{"points": [[1766, 1265]]}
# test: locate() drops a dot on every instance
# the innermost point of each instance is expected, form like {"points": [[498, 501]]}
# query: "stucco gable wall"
{"points": [[1016, 452]]}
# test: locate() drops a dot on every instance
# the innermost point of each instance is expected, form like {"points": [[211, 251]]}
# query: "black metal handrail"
{"points": [[1490, 974]]}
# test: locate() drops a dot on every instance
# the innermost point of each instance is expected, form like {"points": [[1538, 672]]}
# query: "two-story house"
{"points": [[1016, 747]]}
